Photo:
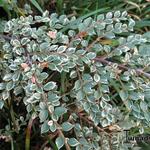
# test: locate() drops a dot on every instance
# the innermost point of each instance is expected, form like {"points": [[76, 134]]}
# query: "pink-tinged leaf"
{"points": [[52, 34], [33, 80], [24, 65]]}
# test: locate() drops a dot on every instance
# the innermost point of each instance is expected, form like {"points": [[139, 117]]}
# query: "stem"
{"points": [[12, 115], [12, 144], [62, 135], [63, 77], [44, 97], [92, 124], [5, 37], [28, 134], [93, 43], [122, 67]]}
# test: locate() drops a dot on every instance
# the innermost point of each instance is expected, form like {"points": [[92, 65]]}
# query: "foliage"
{"points": [[79, 85], [11, 8]]}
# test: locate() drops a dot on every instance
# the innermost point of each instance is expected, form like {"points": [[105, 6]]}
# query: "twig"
{"points": [[92, 124], [122, 67], [5, 37], [44, 97], [28, 134], [93, 43], [12, 114], [62, 135], [49, 140]]}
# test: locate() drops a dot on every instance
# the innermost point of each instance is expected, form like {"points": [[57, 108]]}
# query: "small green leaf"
{"points": [[60, 142], [143, 106], [60, 111], [44, 128], [124, 14], [96, 77], [61, 49], [9, 85], [16, 76], [7, 77], [17, 90], [136, 108], [100, 17], [53, 127], [67, 126], [52, 66], [134, 96], [53, 97], [73, 142], [109, 15], [43, 115], [87, 89], [80, 95], [91, 55], [105, 123], [24, 41], [104, 88], [131, 24], [73, 74], [77, 85], [2, 86], [44, 75], [106, 97], [15, 43], [53, 47], [87, 21], [49, 86], [1, 104], [71, 50], [86, 60], [123, 94], [37, 95], [5, 95], [117, 14], [141, 130]]}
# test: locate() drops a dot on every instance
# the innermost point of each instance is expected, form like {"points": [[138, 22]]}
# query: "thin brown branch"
{"points": [[62, 135], [44, 97], [92, 124], [6, 37], [58, 126], [122, 67], [93, 43], [28, 133]]}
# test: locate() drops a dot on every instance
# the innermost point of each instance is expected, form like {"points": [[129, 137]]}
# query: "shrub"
{"points": [[83, 79]]}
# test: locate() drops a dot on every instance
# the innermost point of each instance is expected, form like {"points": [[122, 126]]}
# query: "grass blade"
{"points": [[36, 5]]}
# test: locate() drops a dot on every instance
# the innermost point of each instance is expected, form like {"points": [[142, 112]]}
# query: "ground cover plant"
{"points": [[73, 83]]}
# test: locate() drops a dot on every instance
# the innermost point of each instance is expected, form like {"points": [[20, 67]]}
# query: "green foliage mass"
{"points": [[82, 84]]}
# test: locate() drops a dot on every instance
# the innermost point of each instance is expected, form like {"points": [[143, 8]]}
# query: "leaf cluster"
{"points": [[83, 81]]}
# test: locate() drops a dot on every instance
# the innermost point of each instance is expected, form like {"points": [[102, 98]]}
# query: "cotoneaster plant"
{"points": [[86, 80]]}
